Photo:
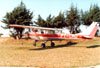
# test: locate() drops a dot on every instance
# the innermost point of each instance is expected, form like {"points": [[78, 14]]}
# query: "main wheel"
{"points": [[52, 44], [43, 45]]}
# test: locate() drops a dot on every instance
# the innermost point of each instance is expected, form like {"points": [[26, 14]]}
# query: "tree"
{"points": [[20, 16], [59, 21], [84, 17], [73, 19], [45, 23], [40, 21], [1, 34], [49, 21], [92, 15]]}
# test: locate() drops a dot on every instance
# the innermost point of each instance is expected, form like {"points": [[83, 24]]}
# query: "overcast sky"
{"points": [[44, 7]]}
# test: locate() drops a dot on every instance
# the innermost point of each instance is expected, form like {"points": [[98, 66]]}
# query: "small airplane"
{"points": [[51, 34]]}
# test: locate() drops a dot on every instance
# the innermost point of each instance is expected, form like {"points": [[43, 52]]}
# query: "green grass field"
{"points": [[21, 53]]}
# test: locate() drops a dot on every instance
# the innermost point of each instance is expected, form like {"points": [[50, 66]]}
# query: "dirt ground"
{"points": [[21, 53]]}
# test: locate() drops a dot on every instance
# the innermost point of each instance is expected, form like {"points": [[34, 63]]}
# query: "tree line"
{"points": [[71, 19]]}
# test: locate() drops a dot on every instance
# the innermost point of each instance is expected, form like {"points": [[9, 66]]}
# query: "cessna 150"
{"points": [[51, 34]]}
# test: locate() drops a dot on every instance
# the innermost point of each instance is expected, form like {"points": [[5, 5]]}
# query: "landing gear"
{"points": [[34, 44], [52, 44], [43, 45]]}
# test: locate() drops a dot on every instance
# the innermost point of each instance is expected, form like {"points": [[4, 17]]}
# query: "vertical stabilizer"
{"points": [[90, 31]]}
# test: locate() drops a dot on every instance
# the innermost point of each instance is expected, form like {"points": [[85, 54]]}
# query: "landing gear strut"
{"points": [[34, 44]]}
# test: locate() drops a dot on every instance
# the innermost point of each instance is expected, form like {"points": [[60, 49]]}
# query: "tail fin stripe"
{"points": [[93, 31]]}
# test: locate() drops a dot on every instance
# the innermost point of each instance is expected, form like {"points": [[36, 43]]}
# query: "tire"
{"points": [[52, 44], [43, 45]]}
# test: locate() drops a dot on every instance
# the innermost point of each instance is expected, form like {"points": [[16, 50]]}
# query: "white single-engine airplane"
{"points": [[51, 34]]}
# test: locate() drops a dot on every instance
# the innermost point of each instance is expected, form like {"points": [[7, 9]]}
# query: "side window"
{"points": [[58, 31], [51, 32], [34, 30], [42, 32]]}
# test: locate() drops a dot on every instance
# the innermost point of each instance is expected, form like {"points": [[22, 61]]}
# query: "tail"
{"points": [[90, 31]]}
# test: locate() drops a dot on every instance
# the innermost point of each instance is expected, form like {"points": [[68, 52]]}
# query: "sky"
{"points": [[43, 7]]}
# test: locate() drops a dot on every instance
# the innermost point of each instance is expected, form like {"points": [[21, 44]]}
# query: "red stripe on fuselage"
{"points": [[65, 36]]}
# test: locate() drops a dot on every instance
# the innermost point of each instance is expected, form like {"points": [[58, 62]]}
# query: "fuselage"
{"points": [[59, 36]]}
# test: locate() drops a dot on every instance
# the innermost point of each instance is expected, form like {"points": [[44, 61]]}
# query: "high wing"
{"points": [[34, 27]]}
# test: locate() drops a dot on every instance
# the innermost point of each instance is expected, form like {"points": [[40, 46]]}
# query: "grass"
{"points": [[79, 53]]}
